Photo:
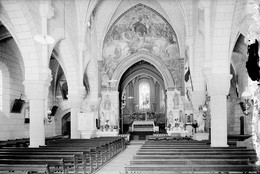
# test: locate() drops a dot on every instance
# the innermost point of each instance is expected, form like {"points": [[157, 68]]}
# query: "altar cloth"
{"points": [[139, 126]]}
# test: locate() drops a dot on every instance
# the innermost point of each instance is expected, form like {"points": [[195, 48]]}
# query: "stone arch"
{"points": [[67, 59], [5, 88], [143, 71], [130, 60], [58, 37], [16, 41], [24, 39]]}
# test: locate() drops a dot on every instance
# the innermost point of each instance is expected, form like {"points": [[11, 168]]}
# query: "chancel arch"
{"points": [[140, 35], [142, 96], [143, 56]]}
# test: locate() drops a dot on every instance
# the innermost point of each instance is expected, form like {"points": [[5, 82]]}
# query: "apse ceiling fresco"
{"points": [[140, 29]]}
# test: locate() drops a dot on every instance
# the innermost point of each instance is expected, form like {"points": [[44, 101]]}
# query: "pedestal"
{"points": [[189, 129], [178, 132], [201, 136], [87, 125]]}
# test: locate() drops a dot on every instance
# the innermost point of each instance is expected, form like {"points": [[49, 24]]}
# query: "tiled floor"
{"points": [[117, 165]]}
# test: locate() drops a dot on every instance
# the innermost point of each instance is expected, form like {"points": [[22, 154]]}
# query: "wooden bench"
{"points": [[191, 168], [105, 148], [78, 155], [55, 165], [78, 161], [70, 161], [190, 161], [195, 153], [25, 168]]}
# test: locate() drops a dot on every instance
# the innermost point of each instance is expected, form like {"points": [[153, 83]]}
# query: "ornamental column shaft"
{"points": [[218, 85], [75, 101], [37, 129], [37, 92]]}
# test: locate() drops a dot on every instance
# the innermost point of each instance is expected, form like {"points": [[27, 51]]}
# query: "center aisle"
{"points": [[117, 164]]}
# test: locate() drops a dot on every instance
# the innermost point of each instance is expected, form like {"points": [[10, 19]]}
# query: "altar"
{"points": [[144, 126], [177, 132]]}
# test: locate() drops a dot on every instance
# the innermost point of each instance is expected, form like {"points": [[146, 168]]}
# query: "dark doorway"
{"points": [[66, 125]]}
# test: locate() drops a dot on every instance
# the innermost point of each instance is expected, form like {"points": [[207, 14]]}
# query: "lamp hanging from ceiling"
{"points": [[43, 39]]}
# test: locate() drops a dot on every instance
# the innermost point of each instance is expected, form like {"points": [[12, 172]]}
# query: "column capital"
{"points": [[218, 84], [75, 100], [197, 98], [37, 89]]}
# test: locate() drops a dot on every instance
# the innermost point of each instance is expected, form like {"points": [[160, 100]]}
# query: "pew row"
{"points": [[78, 155]]}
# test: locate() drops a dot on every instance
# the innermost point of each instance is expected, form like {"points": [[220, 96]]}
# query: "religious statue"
{"points": [[170, 118], [200, 121], [107, 111], [176, 99]]}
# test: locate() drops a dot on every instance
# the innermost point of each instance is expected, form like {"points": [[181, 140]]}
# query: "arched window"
{"points": [[1, 91], [144, 95]]}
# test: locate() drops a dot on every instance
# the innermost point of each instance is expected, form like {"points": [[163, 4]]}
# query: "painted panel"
{"points": [[141, 29]]}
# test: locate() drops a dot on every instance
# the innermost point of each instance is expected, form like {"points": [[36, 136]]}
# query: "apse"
{"points": [[142, 92]]}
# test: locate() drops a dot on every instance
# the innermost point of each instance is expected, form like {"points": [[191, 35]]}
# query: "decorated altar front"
{"points": [[144, 126]]}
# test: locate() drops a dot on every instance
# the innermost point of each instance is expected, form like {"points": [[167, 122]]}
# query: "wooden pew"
{"points": [[190, 168], [79, 160], [98, 155], [71, 146], [190, 161], [55, 165], [25, 168], [172, 153], [81, 155], [70, 161], [106, 148]]}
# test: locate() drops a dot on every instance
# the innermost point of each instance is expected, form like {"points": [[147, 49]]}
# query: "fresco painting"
{"points": [[140, 29]]}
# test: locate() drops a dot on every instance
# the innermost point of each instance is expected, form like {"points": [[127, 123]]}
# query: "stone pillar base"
{"points": [[201, 136], [219, 145], [87, 134]]}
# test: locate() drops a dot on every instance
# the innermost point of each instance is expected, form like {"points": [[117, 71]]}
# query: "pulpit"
{"points": [[87, 125]]}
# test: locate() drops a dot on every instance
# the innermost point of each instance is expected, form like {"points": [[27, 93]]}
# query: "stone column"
{"points": [[75, 101], [218, 85], [37, 92]]}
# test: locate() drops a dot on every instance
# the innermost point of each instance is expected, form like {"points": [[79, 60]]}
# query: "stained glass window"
{"points": [[144, 95]]}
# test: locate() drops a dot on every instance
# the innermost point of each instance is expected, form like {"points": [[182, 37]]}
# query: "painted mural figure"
{"points": [[141, 29], [107, 111], [176, 99], [107, 107]]}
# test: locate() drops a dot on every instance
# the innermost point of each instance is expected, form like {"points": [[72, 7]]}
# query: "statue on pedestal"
{"points": [[201, 121], [107, 111]]}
